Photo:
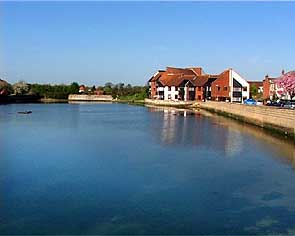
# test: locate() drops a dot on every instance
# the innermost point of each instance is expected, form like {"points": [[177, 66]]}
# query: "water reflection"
{"points": [[199, 128], [186, 128]]}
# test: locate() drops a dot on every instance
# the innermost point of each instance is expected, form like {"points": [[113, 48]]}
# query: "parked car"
{"points": [[274, 104], [250, 101], [290, 105], [260, 103]]}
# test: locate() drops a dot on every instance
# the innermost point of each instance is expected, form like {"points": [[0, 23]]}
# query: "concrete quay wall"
{"points": [[85, 97], [272, 118]]}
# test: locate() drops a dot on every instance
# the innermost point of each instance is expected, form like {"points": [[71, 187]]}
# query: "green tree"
{"points": [[21, 88], [73, 88], [253, 90]]}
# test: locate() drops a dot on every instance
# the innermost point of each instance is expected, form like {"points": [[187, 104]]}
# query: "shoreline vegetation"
{"points": [[22, 91]]}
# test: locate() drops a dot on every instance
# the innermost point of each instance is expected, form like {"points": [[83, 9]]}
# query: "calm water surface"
{"points": [[120, 169]]}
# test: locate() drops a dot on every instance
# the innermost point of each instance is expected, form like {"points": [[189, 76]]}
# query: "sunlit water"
{"points": [[120, 169]]}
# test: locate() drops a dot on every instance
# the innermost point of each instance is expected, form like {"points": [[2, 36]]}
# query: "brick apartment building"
{"points": [[185, 84]]}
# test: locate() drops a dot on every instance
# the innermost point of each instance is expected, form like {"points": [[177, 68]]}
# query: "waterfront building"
{"points": [[174, 84], [231, 87], [272, 89], [188, 84]]}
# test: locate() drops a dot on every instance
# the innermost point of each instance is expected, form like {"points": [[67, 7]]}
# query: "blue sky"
{"points": [[97, 42]]}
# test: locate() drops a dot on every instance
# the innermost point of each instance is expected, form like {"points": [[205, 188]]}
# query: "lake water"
{"points": [[121, 169]]}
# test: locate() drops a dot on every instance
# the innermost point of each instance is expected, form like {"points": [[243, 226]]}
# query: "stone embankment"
{"points": [[272, 118], [92, 98]]}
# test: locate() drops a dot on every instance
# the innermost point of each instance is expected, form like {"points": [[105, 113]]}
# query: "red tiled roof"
{"points": [[169, 79], [201, 80], [256, 83], [156, 77], [175, 76], [197, 70], [185, 71]]}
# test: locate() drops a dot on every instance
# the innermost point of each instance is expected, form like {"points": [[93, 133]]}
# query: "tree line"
{"points": [[61, 91], [122, 91]]}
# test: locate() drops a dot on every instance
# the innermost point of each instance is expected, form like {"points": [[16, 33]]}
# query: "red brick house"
{"points": [[98, 92], [230, 86], [271, 90], [82, 89]]}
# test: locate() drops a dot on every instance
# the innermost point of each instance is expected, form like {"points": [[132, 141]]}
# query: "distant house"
{"points": [[4, 92], [185, 84], [4, 87], [257, 84], [272, 89], [82, 89], [98, 92]]}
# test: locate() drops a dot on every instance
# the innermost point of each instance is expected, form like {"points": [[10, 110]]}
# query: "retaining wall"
{"points": [[280, 119], [85, 97]]}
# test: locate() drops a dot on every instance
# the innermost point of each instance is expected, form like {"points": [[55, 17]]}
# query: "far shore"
{"points": [[275, 121]]}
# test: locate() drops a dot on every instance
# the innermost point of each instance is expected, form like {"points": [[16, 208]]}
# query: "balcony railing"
{"points": [[237, 89]]}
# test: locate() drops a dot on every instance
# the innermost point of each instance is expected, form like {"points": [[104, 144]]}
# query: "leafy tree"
{"points": [[253, 90], [287, 82], [108, 87], [54, 91], [21, 88], [74, 88]]}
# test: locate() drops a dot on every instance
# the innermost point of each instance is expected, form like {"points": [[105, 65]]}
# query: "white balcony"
{"points": [[237, 89], [160, 89]]}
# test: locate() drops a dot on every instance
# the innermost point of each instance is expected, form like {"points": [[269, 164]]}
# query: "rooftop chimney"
{"points": [[283, 71]]}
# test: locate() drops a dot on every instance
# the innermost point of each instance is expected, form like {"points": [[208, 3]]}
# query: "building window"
{"points": [[244, 88], [169, 96], [224, 88], [176, 96], [169, 88], [218, 88], [199, 88], [199, 97], [176, 88]]}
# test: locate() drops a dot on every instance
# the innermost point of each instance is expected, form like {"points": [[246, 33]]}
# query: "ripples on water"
{"points": [[120, 169]]}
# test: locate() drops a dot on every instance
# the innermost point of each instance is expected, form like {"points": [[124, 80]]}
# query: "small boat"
{"points": [[24, 112]]}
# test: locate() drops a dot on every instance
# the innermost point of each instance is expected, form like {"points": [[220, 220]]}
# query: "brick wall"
{"points": [[221, 82], [199, 93], [266, 88]]}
